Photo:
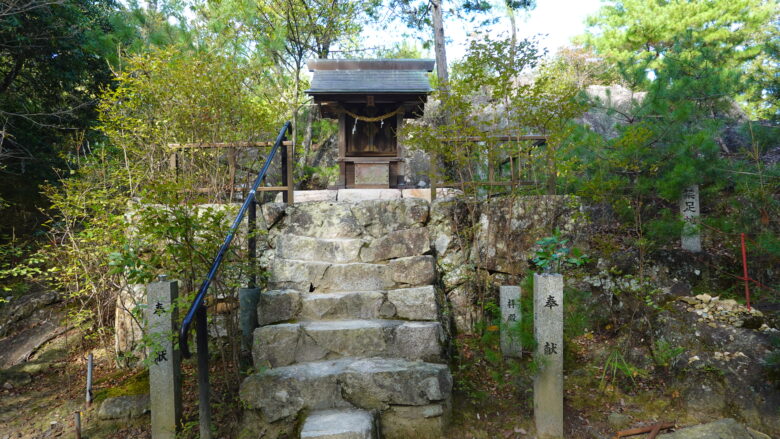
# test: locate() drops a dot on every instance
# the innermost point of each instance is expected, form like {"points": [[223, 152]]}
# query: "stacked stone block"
{"points": [[350, 343]]}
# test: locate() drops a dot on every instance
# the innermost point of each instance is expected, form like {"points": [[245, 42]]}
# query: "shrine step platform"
{"points": [[357, 195]]}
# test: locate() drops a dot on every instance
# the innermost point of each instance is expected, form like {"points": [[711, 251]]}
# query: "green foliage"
{"points": [[664, 353], [618, 371], [125, 216], [500, 88], [18, 263], [744, 32], [771, 362], [553, 254]]}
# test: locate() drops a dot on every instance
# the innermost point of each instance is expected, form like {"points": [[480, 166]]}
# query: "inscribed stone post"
{"points": [[689, 208], [548, 331], [164, 371], [510, 316]]}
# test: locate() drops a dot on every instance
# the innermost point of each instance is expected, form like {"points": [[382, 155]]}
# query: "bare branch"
{"points": [[13, 7]]}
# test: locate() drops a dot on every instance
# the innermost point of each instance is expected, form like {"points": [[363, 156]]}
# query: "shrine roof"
{"points": [[370, 76]]}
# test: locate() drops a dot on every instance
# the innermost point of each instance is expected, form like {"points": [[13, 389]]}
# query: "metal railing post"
{"points": [[202, 341], [290, 174], [285, 177], [252, 242]]}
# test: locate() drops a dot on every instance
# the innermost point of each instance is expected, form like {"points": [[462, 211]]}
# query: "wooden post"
{"points": [[401, 150], [342, 181], [173, 163], [512, 173], [231, 171]]}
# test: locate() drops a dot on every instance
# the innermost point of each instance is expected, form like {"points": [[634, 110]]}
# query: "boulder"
{"points": [[124, 407], [127, 328], [509, 227], [721, 429]]}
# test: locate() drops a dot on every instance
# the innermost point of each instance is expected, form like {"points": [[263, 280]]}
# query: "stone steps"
{"points": [[418, 303], [339, 424], [320, 276], [396, 244], [366, 383], [368, 219], [288, 343], [349, 344]]}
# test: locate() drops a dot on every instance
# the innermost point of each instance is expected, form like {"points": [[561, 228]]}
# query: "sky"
{"points": [[558, 20]]}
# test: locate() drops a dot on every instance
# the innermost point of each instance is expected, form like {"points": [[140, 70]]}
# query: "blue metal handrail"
{"points": [[201, 296], [197, 309]]}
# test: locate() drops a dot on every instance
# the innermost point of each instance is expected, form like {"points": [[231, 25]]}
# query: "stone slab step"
{"points": [[334, 250], [366, 383], [369, 218], [396, 244], [317, 276], [289, 343], [418, 303], [339, 424]]}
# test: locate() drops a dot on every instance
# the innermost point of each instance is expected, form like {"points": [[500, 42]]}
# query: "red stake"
{"points": [[745, 272]]}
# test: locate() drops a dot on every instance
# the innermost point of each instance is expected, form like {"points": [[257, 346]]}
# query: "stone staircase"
{"points": [[350, 345]]}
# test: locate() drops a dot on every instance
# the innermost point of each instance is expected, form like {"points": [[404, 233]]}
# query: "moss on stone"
{"points": [[137, 384]]}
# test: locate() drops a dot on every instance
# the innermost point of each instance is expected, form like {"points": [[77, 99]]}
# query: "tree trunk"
{"points": [[438, 40], [308, 134]]}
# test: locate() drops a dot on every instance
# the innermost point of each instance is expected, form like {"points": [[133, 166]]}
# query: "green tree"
{"points": [[430, 14], [741, 31], [289, 32], [669, 143], [52, 65]]}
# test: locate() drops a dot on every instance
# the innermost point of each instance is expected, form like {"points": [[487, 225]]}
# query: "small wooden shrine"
{"points": [[370, 99]]}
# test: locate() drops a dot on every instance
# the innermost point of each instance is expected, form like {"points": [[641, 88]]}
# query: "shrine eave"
{"points": [[369, 81]]}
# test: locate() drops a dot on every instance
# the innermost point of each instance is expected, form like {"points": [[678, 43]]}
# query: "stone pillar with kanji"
{"points": [[510, 318], [548, 332], [689, 209], [164, 357]]}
